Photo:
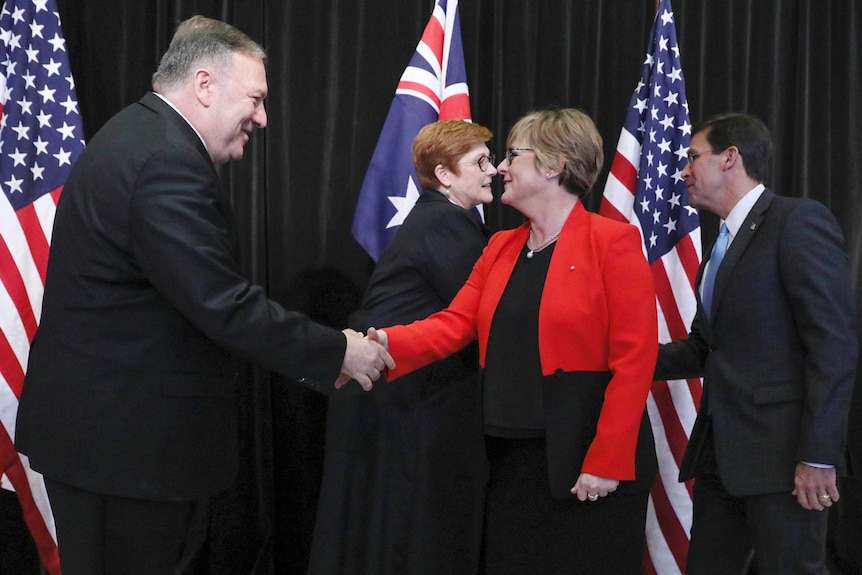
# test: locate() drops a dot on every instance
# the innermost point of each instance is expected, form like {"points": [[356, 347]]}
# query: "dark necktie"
{"points": [[718, 251]]}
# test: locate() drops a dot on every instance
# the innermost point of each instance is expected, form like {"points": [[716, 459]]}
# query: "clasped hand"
{"points": [[365, 358]]}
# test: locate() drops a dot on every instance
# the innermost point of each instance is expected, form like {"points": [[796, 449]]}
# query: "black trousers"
{"points": [[18, 554], [786, 538], [527, 531], [105, 534]]}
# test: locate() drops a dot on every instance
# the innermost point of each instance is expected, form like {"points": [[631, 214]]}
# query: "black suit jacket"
{"points": [[779, 355], [405, 468], [130, 389]]}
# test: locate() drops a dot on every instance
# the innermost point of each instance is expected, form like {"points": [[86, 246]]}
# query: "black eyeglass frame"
{"points": [[511, 155], [692, 157], [483, 162]]}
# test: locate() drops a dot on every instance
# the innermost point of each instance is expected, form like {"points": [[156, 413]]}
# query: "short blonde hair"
{"points": [[444, 143], [566, 141]]}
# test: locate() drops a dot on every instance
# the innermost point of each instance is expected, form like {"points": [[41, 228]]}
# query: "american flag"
{"points": [[645, 187], [41, 136], [432, 88]]}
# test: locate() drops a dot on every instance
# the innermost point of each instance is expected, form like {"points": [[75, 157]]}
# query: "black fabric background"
{"points": [[333, 68]]}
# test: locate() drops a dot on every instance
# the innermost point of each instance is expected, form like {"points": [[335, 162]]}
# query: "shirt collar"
{"points": [[737, 215], [169, 103]]}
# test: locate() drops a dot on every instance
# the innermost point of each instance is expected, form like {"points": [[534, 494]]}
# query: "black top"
{"points": [[513, 371]]}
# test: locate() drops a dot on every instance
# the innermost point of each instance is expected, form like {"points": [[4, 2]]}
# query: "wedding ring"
{"points": [[824, 499], [593, 497]]}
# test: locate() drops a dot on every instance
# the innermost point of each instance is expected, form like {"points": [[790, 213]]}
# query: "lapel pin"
{"points": [[753, 226]]}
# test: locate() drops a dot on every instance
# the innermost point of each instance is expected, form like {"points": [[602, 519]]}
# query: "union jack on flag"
{"points": [[645, 187], [432, 88], [41, 136]]}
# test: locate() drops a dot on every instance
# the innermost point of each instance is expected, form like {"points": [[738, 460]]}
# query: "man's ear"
{"points": [[731, 157], [204, 85]]}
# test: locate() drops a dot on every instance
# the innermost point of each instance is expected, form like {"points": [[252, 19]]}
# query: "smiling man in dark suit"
{"points": [[774, 340], [128, 408]]}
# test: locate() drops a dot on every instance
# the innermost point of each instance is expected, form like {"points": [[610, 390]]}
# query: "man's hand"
{"points": [[815, 486], [364, 360]]}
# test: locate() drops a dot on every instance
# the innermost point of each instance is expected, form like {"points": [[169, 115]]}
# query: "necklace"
{"points": [[547, 242]]}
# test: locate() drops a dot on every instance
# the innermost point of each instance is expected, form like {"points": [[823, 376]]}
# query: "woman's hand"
{"points": [[379, 336], [592, 487]]}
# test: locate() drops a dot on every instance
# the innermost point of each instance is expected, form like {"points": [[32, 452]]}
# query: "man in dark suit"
{"points": [[774, 340], [128, 408]]}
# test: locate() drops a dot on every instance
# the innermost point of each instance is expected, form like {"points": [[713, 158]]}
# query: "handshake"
{"points": [[365, 358]]}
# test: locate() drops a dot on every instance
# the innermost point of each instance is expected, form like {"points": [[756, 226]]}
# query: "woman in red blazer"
{"points": [[564, 311]]}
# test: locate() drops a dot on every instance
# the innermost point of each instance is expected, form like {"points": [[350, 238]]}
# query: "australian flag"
{"points": [[432, 88]]}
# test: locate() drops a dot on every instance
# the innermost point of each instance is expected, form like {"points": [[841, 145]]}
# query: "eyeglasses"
{"points": [[692, 157], [483, 162], [511, 155]]}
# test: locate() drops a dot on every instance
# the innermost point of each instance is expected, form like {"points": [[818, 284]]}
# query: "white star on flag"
{"points": [[403, 204]]}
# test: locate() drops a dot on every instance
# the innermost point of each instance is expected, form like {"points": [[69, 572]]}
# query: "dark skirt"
{"points": [[404, 480], [529, 532]]}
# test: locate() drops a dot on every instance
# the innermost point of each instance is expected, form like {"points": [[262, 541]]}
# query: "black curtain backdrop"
{"points": [[333, 68]]}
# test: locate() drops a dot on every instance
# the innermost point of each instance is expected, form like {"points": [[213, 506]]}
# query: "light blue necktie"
{"points": [[718, 251]]}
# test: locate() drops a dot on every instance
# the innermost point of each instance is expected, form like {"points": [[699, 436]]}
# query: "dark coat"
{"points": [[779, 355], [130, 389], [405, 466]]}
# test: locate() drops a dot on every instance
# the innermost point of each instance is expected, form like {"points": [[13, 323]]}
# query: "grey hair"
{"points": [[199, 41]]}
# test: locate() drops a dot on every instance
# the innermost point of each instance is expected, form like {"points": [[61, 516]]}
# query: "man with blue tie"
{"points": [[774, 340]]}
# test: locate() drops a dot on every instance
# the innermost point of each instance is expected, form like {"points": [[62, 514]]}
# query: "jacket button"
{"points": [[559, 372]]}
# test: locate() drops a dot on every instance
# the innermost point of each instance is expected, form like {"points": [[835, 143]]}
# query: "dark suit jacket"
{"points": [[405, 467], [130, 389], [779, 355], [597, 339]]}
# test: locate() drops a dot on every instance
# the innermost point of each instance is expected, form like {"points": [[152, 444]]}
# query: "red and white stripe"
{"points": [[452, 101], [25, 237]]}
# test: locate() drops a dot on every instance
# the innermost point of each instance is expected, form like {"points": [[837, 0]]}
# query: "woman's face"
{"points": [[521, 178], [471, 186]]}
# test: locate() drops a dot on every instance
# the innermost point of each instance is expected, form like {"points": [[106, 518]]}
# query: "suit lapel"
{"points": [[746, 233]]}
